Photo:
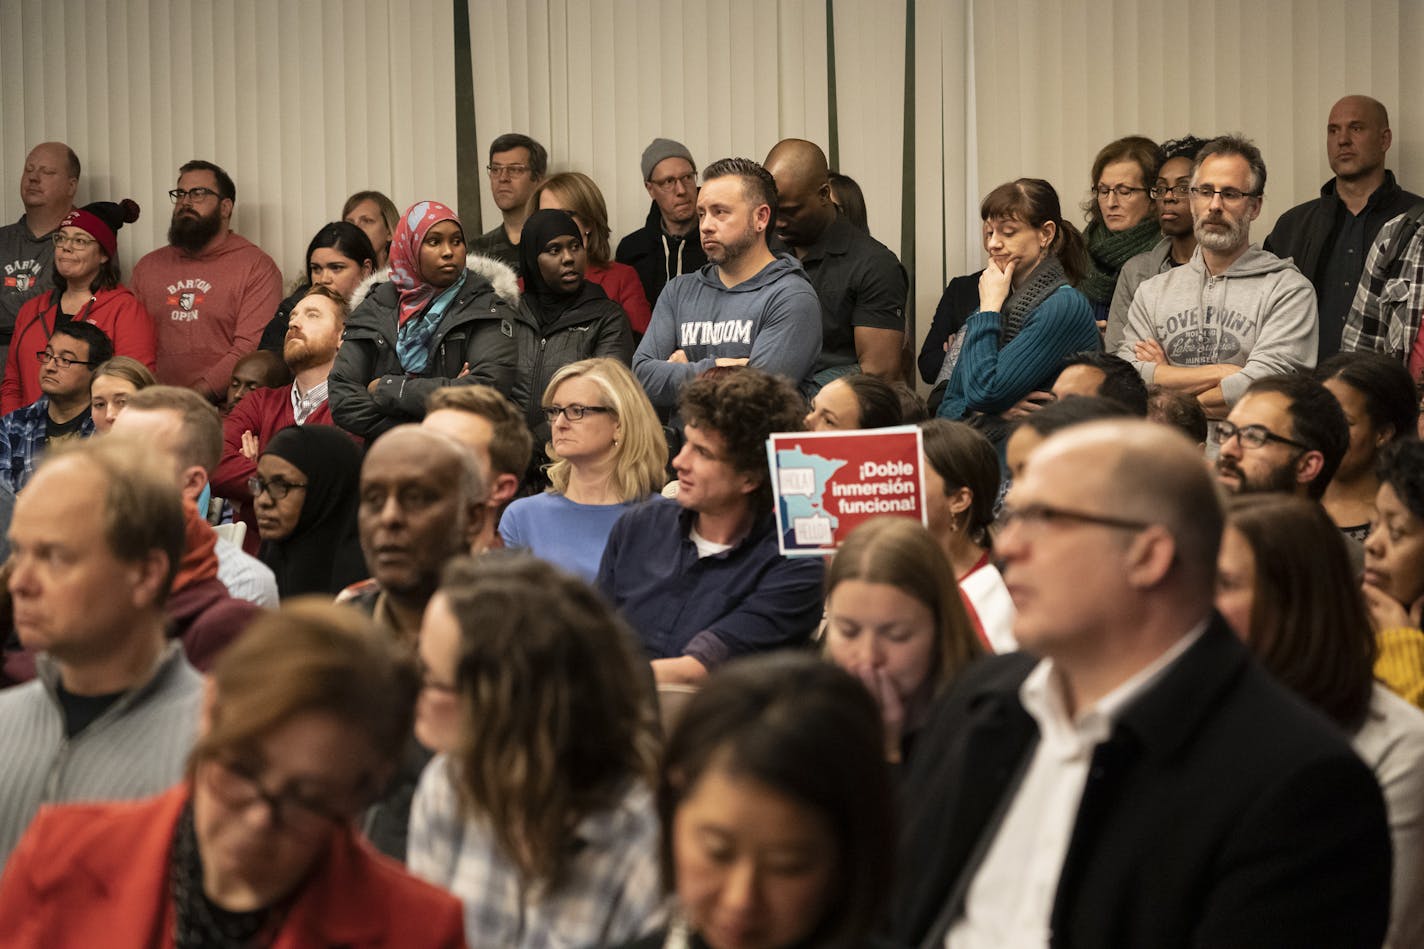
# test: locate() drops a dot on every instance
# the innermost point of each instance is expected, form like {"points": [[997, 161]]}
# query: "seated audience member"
{"points": [[1136, 726], [517, 164], [376, 216], [443, 319], [62, 411], [1232, 314], [492, 427], [701, 579], [313, 338], [849, 200], [1385, 314], [1177, 410], [608, 454], [1377, 397], [262, 369], [1284, 584], [112, 710], [748, 306], [304, 719], [538, 813], [1029, 315], [778, 756], [210, 291], [1122, 222], [218, 589], [305, 499], [563, 317], [339, 257], [895, 620], [1173, 210], [1054, 417], [961, 471], [667, 245], [1394, 569], [577, 194], [1102, 374], [854, 401], [114, 381], [859, 282], [1287, 433], [87, 288]]}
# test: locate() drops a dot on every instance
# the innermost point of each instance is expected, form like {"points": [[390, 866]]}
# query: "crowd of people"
{"points": [[439, 599]]}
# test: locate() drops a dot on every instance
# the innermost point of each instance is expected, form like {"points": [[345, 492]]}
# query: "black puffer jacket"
{"points": [[477, 330]]}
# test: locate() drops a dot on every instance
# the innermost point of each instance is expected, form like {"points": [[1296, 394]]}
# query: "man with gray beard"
{"points": [[1233, 313]]}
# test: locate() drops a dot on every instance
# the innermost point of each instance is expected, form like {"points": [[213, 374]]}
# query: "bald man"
{"points": [[1329, 236], [47, 186], [860, 283], [1134, 778]]}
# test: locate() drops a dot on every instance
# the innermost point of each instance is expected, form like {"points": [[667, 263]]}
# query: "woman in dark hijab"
{"points": [[305, 497]]}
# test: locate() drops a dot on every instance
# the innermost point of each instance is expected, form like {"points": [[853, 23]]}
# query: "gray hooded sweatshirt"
{"points": [[1260, 315], [772, 319]]}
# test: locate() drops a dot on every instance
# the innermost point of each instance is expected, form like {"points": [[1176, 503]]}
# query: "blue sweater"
{"points": [[568, 535], [747, 599], [989, 379]]}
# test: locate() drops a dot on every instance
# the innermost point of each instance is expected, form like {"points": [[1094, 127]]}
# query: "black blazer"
{"points": [[1220, 812]]}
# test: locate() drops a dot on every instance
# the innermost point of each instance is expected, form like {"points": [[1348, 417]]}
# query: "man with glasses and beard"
{"points": [[210, 292], [1287, 433], [746, 307], [1233, 313]]}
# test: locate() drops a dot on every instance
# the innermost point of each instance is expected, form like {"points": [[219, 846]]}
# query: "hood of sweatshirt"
{"points": [[500, 276], [1253, 263], [783, 267]]}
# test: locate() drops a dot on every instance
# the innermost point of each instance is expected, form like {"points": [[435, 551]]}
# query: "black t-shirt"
{"points": [[70, 429], [80, 711]]}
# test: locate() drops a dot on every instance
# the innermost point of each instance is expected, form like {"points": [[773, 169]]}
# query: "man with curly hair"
{"points": [[701, 579]]}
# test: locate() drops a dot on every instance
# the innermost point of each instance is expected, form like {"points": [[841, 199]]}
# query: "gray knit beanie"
{"points": [[663, 148]]}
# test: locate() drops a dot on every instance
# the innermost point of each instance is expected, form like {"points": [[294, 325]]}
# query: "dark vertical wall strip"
{"points": [[467, 143], [833, 153], [907, 184]]}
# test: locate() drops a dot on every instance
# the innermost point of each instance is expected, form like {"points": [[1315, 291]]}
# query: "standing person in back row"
{"points": [[667, 245], [210, 291], [517, 164], [47, 186]]}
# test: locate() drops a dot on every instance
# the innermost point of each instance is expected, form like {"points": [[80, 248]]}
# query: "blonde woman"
{"points": [[608, 453]]}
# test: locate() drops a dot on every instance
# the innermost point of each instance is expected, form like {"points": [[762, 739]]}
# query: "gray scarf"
{"points": [[1046, 278]]}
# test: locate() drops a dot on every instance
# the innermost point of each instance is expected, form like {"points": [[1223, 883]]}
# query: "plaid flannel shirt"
{"points": [[1385, 315], [22, 441], [611, 892]]}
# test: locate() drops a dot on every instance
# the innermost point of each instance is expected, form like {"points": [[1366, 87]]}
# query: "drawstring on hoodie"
{"points": [[667, 256]]}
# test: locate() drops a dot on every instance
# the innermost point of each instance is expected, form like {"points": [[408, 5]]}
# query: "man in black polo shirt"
{"points": [[861, 284], [1329, 236]]}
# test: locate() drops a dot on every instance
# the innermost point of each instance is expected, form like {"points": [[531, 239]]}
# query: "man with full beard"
{"points": [[313, 337], [1287, 434], [1233, 313], [210, 292], [746, 307]]}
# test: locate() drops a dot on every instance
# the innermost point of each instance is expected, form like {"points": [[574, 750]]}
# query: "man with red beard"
{"points": [[313, 337], [210, 292]]}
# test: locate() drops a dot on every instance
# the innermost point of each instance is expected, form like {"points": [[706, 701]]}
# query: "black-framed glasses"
{"points": [[665, 185], [276, 489], [1177, 191], [194, 195], [1252, 436], [573, 412], [1122, 191], [46, 356], [1039, 515], [1228, 195], [78, 243], [238, 785], [507, 171]]}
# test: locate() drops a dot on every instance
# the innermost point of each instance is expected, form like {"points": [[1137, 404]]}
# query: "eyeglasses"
{"points": [[47, 356], [1177, 191], [1122, 191], [573, 412], [1252, 436], [237, 785], [192, 195], [665, 185], [507, 171], [276, 489], [1033, 516], [78, 243], [1228, 195]]}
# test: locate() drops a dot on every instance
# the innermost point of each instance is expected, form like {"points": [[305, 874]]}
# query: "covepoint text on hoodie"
{"points": [[1260, 314], [208, 310], [772, 319]]}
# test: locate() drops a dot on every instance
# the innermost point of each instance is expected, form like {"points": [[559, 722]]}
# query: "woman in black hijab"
{"points": [[305, 496], [563, 317]]}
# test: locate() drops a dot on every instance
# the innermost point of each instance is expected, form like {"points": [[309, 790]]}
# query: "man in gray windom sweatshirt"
{"points": [[1233, 313], [747, 306]]}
